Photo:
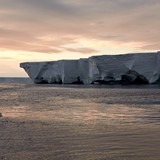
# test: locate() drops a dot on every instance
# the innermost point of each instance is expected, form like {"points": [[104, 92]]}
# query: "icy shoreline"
{"points": [[139, 68]]}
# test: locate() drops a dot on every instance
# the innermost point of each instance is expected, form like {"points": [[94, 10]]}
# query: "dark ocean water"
{"points": [[70, 122], [14, 80]]}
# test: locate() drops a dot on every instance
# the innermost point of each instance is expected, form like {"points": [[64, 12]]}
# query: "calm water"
{"points": [[79, 123], [15, 80]]}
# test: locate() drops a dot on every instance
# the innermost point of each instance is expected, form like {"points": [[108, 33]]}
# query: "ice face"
{"points": [[134, 68]]}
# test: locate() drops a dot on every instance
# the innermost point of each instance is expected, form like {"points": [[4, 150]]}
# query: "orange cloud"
{"points": [[47, 26], [81, 50]]}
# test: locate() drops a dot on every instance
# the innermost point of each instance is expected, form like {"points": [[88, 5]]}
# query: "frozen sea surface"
{"points": [[79, 122]]}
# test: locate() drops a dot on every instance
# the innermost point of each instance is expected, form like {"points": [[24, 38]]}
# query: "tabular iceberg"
{"points": [[139, 68]]}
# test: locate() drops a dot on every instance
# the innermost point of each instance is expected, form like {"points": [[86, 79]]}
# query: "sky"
{"points": [[48, 30]]}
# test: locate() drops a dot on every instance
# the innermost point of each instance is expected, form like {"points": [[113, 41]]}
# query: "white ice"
{"points": [[95, 68]]}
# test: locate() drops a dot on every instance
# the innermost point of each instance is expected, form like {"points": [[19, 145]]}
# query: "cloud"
{"points": [[6, 58], [81, 50], [47, 26]]}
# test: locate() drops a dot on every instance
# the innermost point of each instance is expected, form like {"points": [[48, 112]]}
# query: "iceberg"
{"points": [[135, 68]]}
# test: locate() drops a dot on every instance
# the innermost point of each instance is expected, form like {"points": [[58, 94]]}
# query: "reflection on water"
{"points": [[114, 106], [81, 123], [89, 113]]}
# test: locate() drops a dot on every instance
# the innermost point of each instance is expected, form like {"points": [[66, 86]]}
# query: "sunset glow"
{"points": [[38, 30]]}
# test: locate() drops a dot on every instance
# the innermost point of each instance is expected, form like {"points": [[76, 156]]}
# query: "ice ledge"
{"points": [[138, 68]]}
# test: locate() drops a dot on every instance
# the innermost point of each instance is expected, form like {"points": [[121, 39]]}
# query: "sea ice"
{"points": [[139, 68]]}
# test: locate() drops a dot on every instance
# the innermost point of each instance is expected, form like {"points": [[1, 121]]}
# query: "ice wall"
{"points": [[128, 68]]}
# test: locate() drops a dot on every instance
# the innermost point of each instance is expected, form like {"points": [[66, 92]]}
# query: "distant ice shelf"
{"points": [[135, 68]]}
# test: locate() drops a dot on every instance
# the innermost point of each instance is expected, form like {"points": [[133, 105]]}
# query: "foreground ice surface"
{"points": [[137, 68], [63, 123]]}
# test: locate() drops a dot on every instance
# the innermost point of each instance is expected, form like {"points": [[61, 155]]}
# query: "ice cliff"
{"points": [[139, 68]]}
